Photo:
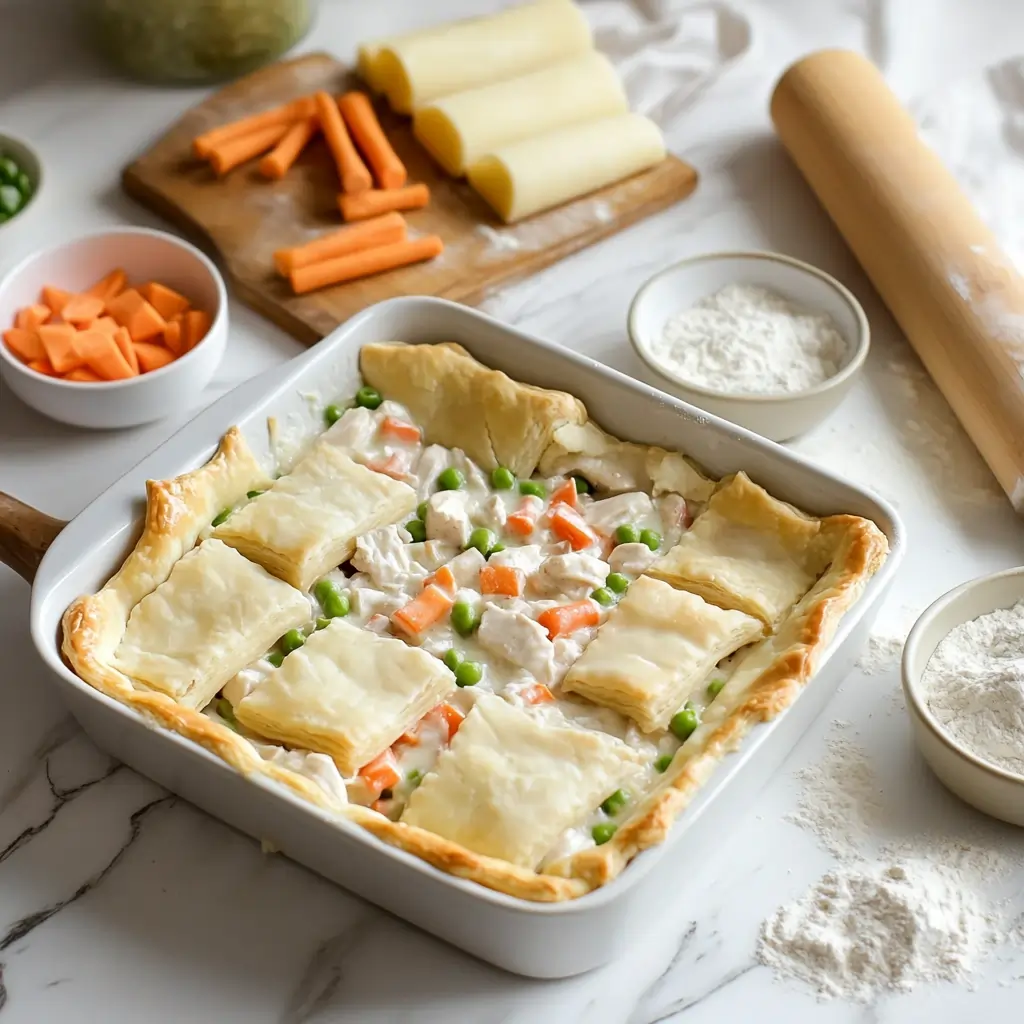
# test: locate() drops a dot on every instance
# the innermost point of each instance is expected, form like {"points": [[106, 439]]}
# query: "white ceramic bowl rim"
{"points": [[113, 385], [37, 185], [862, 342], [910, 685]]}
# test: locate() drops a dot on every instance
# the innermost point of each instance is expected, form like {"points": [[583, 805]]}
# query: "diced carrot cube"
{"points": [[81, 310], [566, 494], [131, 310], [124, 342], [501, 579], [393, 466], [31, 317], [58, 340], [167, 302], [151, 357], [430, 605], [567, 618], [381, 773], [43, 366], [109, 287], [106, 324], [24, 344], [443, 578], [451, 716], [55, 298], [84, 375], [567, 524], [101, 354], [521, 523], [537, 694], [196, 324], [400, 430], [172, 337]]}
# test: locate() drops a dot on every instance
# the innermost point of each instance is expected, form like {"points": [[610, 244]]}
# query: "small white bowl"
{"points": [[778, 416], [28, 160], [145, 255], [991, 789]]}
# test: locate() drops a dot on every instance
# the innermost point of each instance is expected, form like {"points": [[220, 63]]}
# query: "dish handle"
{"points": [[25, 534]]}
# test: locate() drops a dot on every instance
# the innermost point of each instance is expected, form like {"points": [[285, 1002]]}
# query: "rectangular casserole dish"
{"points": [[534, 939]]}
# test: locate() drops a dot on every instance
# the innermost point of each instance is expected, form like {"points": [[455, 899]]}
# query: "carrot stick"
{"points": [[376, 231], [567, 618], [230, 154], [362, 122], [382, 200], [276, 163], [431, 604], [205, 144], [355, 178], [365, 263]]}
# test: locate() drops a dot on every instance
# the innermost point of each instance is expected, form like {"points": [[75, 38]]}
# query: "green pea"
{"points": [[533, 488], [495, 549], [582, 485], [333, 413], [24, 186], [9, 171], [463, 618], [336, 605], [414, 777], [651, 538], [603, 832], [322, 622], [368, 398], [275, 658], [292, 641], [603, 596], [661, 763], [223, 708], [417, 529], [617, 583], [482, 539], [613, 804], [252, 494], [715, 687], [469, 673], [421, 510], [221, 517], [502, 479], [684, 723], [627, 533], [10, 199], [452, 658], [450, 479]]}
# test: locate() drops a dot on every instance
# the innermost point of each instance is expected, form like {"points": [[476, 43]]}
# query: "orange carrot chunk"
{"points": [[443, 578], [43, 366], [123, 341], [276, 163], [107, 324], [524, 520], [101, 354], [58, 340], [229, 155], [355, 178], [26, 345], [84, 375], [566, 494], [381, 773], [151, 357], [81, 310], [131, 310], [430, 605], [567, 618], [536, 694], [194, 327], [173, 337], [108, 287], [382, 200], [286, 114], [501, 579], [31, 317], [567, 524], [55, 298], [365, 263], [167, 302], [361, 119], [451, 716], [390, 227], [400, 430]]}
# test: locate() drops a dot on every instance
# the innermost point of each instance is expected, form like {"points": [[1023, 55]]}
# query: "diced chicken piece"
{"points": [[529, 558], [448, 517], [608, 513], [433, 459], [562, 574], [367, 602], [466, 567], [384, 555], [432, 554], [380, 623], [675, 518], [518, 639], [493, 513], [354, 432], [242, 684], [393, 409], [318, 768], [476, 479], [632, 558], [568, 649]]}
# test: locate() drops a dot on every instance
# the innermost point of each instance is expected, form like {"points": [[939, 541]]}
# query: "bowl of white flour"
{"points": [[757, 338], [963, 676]]}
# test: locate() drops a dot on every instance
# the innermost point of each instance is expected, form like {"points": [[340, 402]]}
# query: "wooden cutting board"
{"points": [[244, 217]]}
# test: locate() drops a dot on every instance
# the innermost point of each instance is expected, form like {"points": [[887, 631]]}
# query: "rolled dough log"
{"points": [[535, 174], [458, 130], [417, 68]]}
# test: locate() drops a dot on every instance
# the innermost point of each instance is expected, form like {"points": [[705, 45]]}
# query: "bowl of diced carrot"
{"points": [[113, 329]]}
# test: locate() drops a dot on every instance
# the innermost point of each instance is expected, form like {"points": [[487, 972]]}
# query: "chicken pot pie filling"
{"points": [[472, 622]]}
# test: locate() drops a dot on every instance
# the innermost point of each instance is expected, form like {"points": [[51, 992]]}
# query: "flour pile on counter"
{"points": [[749, 340], [974, 686]]}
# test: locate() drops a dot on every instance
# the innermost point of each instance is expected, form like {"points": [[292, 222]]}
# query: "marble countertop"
{"points": [[119, 902]]}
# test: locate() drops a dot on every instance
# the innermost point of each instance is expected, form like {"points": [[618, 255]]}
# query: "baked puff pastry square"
{"points": [[308, 522], [348, 692], [215, 613], [747, 551], [655, 650], [509, 785]]}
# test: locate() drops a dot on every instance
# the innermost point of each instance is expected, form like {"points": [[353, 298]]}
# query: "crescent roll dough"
{"points": [[458, 130], [308, 522], [655, 650], [534, 174], [508, 785], [348, 692]]}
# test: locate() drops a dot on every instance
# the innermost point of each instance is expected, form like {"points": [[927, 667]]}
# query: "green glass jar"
{"points": [[195, 41]]}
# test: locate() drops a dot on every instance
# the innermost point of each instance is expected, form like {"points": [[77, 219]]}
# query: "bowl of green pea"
{"points": [[21, 177]]}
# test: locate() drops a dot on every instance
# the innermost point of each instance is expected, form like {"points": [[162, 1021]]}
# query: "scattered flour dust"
{"points": [[887, 917]]}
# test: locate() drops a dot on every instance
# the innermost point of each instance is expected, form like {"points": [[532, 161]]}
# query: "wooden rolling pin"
{"points": [[938, 268]]}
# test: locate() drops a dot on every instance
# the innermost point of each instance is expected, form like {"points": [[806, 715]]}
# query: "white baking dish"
{"points": [[540, 940]]}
